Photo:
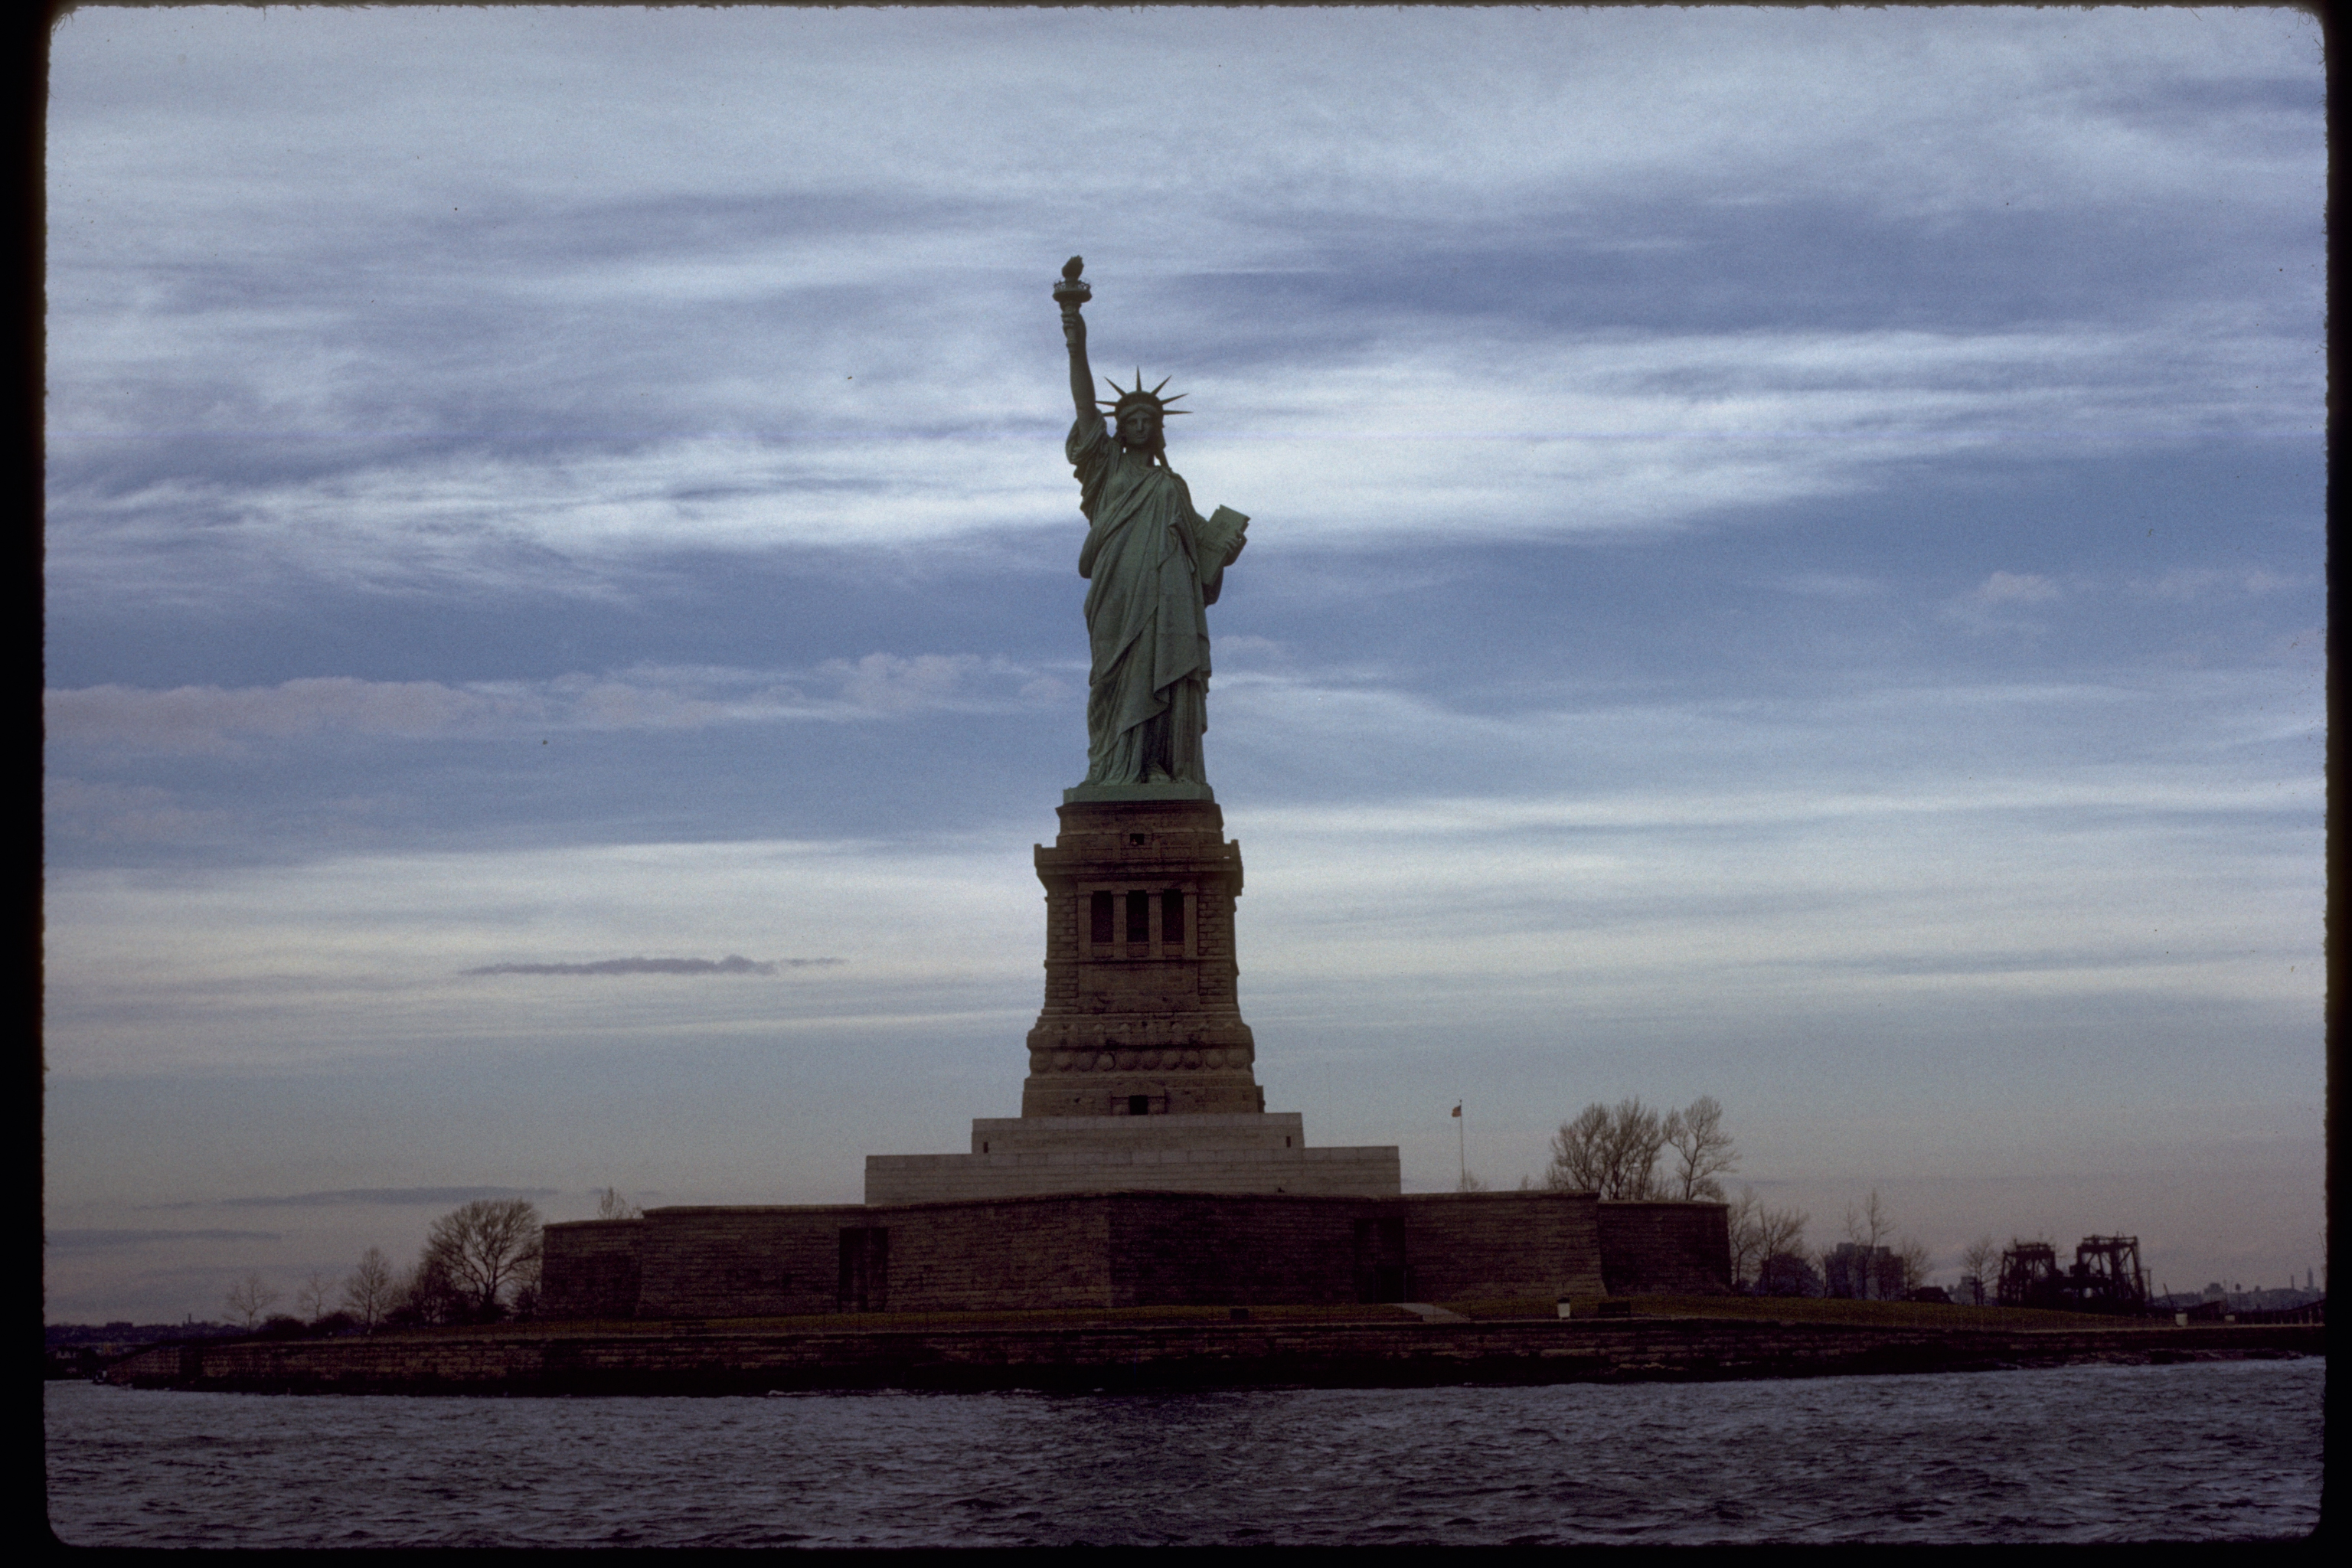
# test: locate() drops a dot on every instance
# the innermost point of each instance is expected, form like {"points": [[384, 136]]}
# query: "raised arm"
{"points": [[1073, 294]]}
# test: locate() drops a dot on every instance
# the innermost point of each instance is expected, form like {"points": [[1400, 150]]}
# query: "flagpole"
{"points": [[1462, 1142]]}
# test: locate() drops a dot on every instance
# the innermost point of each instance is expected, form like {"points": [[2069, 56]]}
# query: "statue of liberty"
{"points": [[1153, 564]]}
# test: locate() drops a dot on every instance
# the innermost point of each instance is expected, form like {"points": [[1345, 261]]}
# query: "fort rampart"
{"points": [[1059, 1251]]}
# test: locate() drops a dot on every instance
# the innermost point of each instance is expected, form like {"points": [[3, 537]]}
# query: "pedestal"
{"points": [[1140, 1017], [1141, 1076], [1031, 1155]]}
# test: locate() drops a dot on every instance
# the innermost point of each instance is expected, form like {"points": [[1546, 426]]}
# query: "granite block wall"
{"points": [[1129, 1249], [1468, 1247], [1194, 1249], [896, 1179], [591, 1268], [930, 1257], [744, 1262], [1655, 1248], [1011, 1254]]}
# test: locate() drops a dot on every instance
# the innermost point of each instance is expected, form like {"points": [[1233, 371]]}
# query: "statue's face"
{"points": [[1138, 425]]}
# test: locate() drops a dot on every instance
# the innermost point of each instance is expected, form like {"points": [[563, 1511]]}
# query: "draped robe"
{"points": [[1147, 693]]}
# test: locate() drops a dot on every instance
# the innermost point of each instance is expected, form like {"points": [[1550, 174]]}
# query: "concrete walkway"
{"points": [[1430, 1314]]}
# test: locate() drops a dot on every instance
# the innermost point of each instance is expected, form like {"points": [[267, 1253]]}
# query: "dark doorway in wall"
{"points": [[1139, 1105], [864, 1269], [1381, 1272]]}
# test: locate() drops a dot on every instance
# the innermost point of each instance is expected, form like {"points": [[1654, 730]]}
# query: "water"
{"points": [[2212, 1451]]}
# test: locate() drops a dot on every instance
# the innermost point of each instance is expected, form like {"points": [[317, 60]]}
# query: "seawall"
{"points": [[719, 1358]]}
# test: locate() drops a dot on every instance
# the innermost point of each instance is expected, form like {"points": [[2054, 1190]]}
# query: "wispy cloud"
{"points": [[100, 1240], [1832, 585], [2015, 588], [206, 718], [2003, 603], [2185, 584], [211, 719], [826, 333], [1478, 433], [118, 812], [734, 963], [394, 1195]]}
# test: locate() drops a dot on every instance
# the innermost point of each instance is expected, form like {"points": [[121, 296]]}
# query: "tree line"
{"points": [[1630, 1151], [479, 1264]]}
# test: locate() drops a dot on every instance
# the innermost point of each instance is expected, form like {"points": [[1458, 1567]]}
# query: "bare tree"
{"points": [[1871, 1223], [525, 1300], [611, 1204], [249, 1298], [484, 1247], [1580, 1152], [1612, 1152], [1760, 1231], [1703, 1150], [1869, 1228], [1641, 1138], [1746, 1244], [371, 1290], [425, 1294], [1981, 1260], [1916, 1261], [311, 1297], [1784, 1229], [1788, 1274]]}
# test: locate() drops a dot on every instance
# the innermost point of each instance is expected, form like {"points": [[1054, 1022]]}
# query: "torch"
{"points": [[1073, 290]]}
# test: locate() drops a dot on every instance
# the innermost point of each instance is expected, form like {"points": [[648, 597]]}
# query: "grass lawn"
{"points": [[1784, 1309], [876, 1322], [1799, 1309]]}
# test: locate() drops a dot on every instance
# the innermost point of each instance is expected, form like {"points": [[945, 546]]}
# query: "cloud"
{"points": [[1992, 605], [2015, 588], [380, 943], [1470, 305], [1832, 585], [205, 718], [734, 963], [119, 814], [392, 1195], [896, 685], [1423, 109], [1781, 846], [2187, 583], [1482, 430], [97, 1240], [193, 720]]}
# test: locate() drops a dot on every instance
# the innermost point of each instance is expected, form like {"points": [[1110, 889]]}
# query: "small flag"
{"points": [[1457, 1107]]}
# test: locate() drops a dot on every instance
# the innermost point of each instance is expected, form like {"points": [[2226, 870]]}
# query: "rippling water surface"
{"points": [[2226, 1450]]}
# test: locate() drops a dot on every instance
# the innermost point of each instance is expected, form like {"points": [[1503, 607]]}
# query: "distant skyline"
{"points": [[1787, 563]]}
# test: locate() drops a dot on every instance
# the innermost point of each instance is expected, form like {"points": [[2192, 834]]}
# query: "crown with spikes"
{"points": [[1130, 395]]}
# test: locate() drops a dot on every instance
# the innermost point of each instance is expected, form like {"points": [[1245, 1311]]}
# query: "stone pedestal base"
{"points": [[1140, 1017], [1024, 1156], [1140, 1068]]}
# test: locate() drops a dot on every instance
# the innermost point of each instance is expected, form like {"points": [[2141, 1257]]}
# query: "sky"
{"points": [[1786, 563]]}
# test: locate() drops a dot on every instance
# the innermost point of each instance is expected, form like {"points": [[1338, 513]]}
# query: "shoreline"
{"points": [[723, 1358]]}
